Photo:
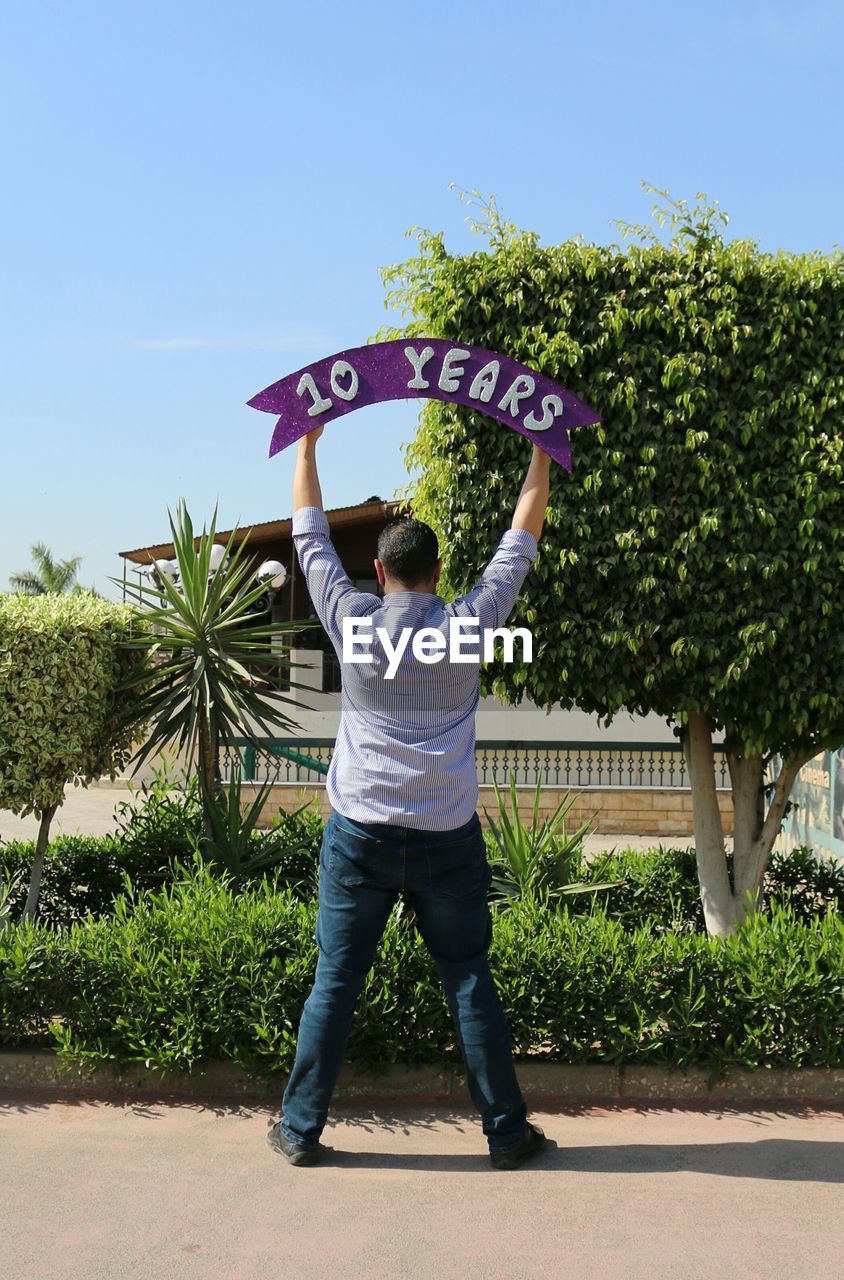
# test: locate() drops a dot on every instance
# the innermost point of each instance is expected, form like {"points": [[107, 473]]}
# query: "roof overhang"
{"points": [[274, 530]]}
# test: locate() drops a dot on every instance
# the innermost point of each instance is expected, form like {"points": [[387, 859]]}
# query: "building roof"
{"points": [[374, 508]]}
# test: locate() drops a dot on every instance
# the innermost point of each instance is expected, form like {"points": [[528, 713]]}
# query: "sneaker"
{"points": [[533, 1141], [294, 1152]]}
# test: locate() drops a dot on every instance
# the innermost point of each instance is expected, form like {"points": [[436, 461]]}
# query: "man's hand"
{"points": [[306, 490], [533, 499]]}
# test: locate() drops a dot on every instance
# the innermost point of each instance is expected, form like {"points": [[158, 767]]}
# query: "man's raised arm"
{"points": [[494, 596], [329, 587], [306, 490], [533, 499]]}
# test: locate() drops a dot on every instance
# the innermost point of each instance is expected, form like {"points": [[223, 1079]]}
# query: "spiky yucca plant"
{"points": [[537, 856], [202, 687]]}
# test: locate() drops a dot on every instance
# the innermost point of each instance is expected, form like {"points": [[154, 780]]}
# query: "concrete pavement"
{"points": [[86, 811], [104, 1191]]}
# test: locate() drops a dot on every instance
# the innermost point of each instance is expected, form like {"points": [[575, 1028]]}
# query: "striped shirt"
{"points": [[405, 748]]}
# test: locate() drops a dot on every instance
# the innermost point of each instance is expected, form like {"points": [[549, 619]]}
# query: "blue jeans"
{"points": [[445, 875]]}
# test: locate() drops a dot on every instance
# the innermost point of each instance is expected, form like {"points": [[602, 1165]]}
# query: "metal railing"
{"points": [[642, 766]]}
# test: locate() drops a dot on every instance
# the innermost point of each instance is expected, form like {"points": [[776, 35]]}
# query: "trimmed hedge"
{"points": [[84, 874], [63, 715], [194, 972]]}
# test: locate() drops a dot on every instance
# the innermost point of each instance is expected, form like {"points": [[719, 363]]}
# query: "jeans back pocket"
{"points": [[354, 857], [460, 870]]}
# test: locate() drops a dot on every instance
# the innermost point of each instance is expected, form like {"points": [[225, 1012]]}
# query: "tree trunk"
{"points": [[725, 906], [209, 771], [760, 832], [47, 816], [715, 889], [746, 781]]}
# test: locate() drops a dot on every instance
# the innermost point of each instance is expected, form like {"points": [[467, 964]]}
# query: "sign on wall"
{"points": [[816, 817], [426, 368]]}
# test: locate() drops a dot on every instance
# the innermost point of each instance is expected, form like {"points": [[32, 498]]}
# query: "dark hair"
{"points": [[408, 550]]}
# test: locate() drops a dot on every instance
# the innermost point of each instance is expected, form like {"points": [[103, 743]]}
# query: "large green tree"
{"points": [[692, 562]]}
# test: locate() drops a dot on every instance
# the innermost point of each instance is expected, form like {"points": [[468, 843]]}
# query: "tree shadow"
{"points": [[151, 1108]]}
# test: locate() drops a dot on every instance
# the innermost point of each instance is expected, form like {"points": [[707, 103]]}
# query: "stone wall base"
{"points": [[617, 811], [28, 1073]]}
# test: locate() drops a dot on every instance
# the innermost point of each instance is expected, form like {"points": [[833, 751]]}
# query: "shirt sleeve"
{"points": [[492, 599], [333, 595]]}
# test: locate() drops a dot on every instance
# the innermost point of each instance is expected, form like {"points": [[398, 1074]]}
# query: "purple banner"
{"points": [[426, 368]]}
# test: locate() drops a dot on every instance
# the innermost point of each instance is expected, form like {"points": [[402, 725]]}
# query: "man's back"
{"points": [[405, 750]]}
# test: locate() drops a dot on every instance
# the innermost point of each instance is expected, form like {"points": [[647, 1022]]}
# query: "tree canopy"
{"points": [[63, 718], [64, 713], [693, 558]]}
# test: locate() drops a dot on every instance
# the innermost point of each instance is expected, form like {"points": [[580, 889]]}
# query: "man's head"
{"points": [[408, 556]]}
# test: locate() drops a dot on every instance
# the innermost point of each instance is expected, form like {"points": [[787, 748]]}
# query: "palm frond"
{"points": [[29, 584]]}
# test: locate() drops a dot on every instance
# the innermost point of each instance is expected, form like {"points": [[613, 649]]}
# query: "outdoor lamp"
{"points": [[165, 568], [273, 574], [218, 555]]}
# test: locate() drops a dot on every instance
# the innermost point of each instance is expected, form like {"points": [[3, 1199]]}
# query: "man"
{"points": [[403, 789]]}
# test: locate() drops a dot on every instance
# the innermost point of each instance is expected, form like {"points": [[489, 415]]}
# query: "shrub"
{"points": [[661, 886], [65, 714], [808, 882], [167, 814], [29, 992], [305, 824], [290, 849], [83, 874], [164, 815], [194, 972], [545, 855], [157, 830], [61, 719], [587, 989]]}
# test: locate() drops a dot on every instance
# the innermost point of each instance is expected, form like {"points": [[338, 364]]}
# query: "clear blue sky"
{"points": [[196, 199]]}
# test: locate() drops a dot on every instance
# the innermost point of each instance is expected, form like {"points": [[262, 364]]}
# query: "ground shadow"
{"points": [[778, 1159]]}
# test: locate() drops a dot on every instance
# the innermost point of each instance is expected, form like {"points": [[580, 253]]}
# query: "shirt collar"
{"points": [[410, 597]]}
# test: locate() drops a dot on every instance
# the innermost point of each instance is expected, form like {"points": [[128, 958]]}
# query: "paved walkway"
{"points": [[101, 1191], [86, 811], [91, 812]]}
